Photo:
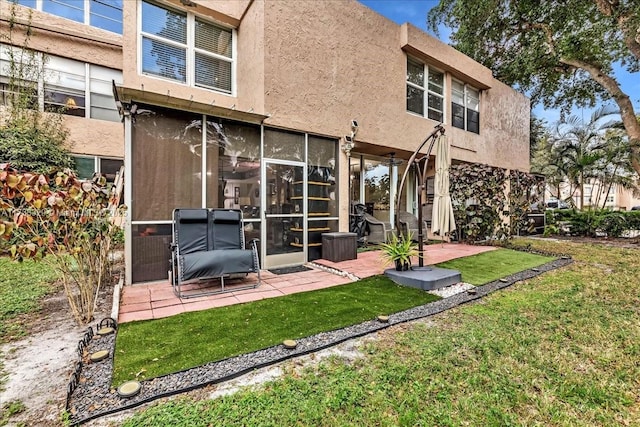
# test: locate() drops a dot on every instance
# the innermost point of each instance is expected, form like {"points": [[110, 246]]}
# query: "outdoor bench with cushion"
{"points": [[209, 244]]}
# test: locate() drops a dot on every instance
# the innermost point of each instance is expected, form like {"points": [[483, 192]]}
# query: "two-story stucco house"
{"points": [[252, 104]]}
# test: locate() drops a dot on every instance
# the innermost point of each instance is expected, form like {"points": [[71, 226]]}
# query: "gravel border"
{"points": [[93, 398]]}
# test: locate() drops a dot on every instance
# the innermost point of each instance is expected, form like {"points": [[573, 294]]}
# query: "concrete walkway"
{"points": [[155, 300]]}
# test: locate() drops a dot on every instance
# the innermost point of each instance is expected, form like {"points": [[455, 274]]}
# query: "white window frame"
{"points": [[190, 78], [466, 89], [426, 91], [46, 74], [97, 160], [86, 14]]}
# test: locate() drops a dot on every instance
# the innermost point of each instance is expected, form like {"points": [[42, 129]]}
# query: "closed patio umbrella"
{"points": [[442, 220]]}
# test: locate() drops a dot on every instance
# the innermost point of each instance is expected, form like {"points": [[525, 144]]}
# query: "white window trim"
{"points": [[86, 15], [426, 91], [465, 97], [190, 50], [41, 84]]}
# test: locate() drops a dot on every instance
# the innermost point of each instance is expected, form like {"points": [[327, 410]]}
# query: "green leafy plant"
{"points": [[68, 218], [30, 139], [551, 230], [585, 223], [524, 191], [399, 250], [478, 198], [613, 223]]}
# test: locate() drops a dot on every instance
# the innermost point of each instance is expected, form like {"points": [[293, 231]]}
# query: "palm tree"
{"points": [[580, 146], [548, 161]]}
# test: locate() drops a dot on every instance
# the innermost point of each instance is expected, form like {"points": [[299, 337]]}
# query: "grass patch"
{"points": [[22, 286], [148, 349], [10, 409], [561, 349], [489, 266]]}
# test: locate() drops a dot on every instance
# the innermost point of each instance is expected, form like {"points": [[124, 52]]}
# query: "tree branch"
{"points": [[548, 32], [627, 113], [608, 8]]}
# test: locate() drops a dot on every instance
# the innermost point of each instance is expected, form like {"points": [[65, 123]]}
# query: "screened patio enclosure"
{"points": [[284, 182], [373, 182]]}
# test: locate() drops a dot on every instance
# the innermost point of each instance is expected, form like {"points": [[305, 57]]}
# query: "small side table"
{"points": [[339, 246]]}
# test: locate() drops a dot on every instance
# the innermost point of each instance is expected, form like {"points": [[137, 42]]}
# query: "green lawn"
{"points": [[561, 349], [158, 347], [22, 285], [489, 266]]}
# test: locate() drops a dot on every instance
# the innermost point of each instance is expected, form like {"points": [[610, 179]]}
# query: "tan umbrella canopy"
{"points": [[442, 220]]}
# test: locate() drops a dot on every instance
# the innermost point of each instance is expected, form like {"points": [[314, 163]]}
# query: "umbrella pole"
{"points": [[423, 184], [420, 243]]}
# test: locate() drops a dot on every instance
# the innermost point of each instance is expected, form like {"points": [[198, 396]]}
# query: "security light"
{"points": [[354, 125], [348, 138]]}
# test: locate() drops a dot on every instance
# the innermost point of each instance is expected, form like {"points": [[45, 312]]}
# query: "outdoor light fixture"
{"points": [[348, 145], [349, 140]]}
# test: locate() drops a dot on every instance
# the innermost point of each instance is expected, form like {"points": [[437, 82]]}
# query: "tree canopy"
{"points": [[560, 53]]}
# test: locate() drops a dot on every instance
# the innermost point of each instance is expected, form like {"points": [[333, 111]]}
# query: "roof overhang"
{"points": [[126, 97], [431, 50]]}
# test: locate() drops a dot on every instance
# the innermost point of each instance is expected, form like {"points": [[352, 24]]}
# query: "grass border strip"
{"points": [[233, 367]]}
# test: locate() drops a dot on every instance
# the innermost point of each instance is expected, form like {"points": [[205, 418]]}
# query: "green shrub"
{"points": [[613, 223], [551, 230], [633, 219]]}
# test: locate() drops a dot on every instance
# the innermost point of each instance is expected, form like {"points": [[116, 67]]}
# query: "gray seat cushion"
{"points": [[216, 263]]}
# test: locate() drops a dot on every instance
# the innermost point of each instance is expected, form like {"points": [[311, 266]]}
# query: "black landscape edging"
{"points": [[94, 393]]}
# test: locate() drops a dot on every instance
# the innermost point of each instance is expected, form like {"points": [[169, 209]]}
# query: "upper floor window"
{"points": [[465, 107], [105, 14], [180, 46], [425, 90], [62, 85]]}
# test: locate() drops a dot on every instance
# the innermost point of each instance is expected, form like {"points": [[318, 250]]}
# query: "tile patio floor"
{"points": [[155, 300]]}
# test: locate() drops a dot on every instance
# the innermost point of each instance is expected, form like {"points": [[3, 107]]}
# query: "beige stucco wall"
{"points": [[504, 131], [625, 199], [251, 59], [332, 61], [95, 137]]}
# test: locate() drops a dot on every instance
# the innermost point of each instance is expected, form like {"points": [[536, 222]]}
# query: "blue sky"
{"points": [[415, 12]]}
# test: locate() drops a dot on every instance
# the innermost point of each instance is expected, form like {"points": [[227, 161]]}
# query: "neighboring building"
{"points": [[246, 104], [595, 194], [81, 63]]}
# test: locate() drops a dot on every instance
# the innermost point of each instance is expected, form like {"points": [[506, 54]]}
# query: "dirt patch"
{"points": [[37, 368]]}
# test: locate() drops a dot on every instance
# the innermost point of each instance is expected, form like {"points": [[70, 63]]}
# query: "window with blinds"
{"points": [[465, 107], [204, 59], [65, 86]]}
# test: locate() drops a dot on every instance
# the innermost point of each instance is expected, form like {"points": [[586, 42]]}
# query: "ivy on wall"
{"points": [[525, 190], [484, 207]]}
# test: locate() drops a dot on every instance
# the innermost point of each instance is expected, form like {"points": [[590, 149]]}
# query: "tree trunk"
{"points": [[581, 191], [606, 196], [629, 120]]}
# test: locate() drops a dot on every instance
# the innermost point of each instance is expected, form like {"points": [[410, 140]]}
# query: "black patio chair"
{"points": [[209, 245]]}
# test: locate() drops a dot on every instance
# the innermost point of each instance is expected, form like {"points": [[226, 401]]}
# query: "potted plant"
{"points": [[399, 250]]}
